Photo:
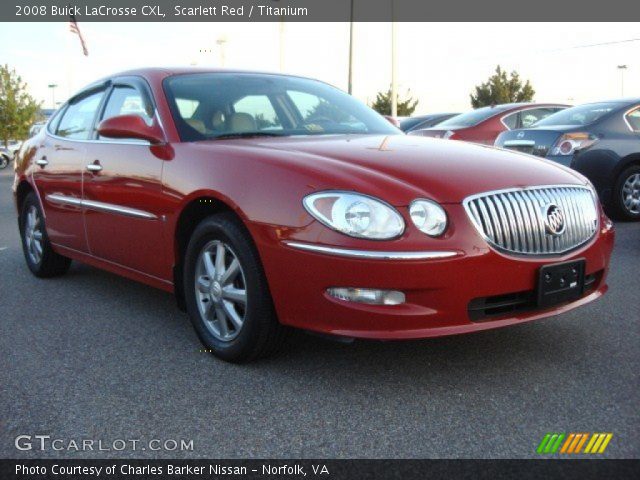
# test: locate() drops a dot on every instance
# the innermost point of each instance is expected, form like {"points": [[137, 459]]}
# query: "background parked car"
{"points": [[484, 124], [408, 124], [5, 158], [600, 140]]}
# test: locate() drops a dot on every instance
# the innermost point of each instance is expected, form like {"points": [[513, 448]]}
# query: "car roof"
{"points": [[621, 101], [159, 73], [169, 71], [501, 107]]}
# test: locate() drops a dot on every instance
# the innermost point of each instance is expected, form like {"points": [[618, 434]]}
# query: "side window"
{"points": [[260, 109], [633, 119], [77, 120], [54, 120], [126, 100], [511, 121], [529, 117]]}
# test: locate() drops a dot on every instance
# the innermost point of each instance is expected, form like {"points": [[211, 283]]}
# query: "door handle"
{"points": [[94, 167], [43, 162]]}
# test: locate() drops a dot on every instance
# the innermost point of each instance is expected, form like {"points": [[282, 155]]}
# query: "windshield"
{"points": [[471, 118], [234, 105], [581, 115]]}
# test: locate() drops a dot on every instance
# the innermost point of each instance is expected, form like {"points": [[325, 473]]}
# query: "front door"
{"points": [[122, 200]]}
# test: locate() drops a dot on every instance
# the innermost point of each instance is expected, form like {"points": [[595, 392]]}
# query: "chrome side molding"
{"points": [[374, 254], [100, 206]]}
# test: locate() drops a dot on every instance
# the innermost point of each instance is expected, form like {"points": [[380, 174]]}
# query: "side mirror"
{"points": [[130, 126]]}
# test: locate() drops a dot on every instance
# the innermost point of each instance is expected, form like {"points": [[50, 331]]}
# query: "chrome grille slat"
{"points": [[496, 222], [487, 220], [534, 241], [518, 220], [576, 212], [504, 223], [514, 220]]}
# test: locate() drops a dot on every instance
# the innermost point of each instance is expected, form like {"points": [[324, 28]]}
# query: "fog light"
{"points": [[368, 295]]}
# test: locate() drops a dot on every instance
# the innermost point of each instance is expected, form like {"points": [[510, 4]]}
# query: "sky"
{"points": [[440, 63]]}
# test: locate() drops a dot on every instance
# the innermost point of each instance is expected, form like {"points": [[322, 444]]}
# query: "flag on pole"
{"points": [[73, 27]]}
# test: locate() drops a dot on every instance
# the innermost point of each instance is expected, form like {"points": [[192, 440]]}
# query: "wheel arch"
{"points": [[196, 208], [633, 159], [23, 189]]}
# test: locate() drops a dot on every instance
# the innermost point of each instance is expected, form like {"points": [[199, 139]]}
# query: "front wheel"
{"points": [[226, 292], [38, 253], [4, 162], [626, 201]]}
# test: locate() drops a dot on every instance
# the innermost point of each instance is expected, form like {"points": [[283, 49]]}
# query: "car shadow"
{"points": [[502, 351]]}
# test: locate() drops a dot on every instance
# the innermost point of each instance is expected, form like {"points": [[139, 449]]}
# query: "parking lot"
{"points": [[93, 355]]}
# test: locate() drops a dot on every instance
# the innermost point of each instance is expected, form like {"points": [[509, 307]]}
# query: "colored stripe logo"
{"points": [[574, 443]]}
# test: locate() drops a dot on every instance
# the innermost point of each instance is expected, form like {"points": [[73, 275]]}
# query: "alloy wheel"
{"points": [[33, 234], [631, 194], [221, 290]]}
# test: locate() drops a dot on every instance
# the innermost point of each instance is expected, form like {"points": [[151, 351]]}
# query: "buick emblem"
{"points": [[554, 223], [520, 135]]}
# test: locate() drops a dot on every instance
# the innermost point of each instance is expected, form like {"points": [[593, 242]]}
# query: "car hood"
{"points": [[444, 171]]}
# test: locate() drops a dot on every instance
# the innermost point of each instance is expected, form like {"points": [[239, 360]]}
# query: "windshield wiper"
{"points": [[248, 135]]}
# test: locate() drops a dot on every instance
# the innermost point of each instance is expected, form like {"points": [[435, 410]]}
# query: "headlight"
{"points": [[355, 215], [428, 216]]}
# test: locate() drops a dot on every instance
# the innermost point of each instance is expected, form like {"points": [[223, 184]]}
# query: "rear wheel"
{"points": [[38, 253], [626, 201], [226, 292], [4, 162]]}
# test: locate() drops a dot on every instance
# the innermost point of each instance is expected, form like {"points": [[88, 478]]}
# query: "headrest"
{"points": [[217, 120], [242, 122]]}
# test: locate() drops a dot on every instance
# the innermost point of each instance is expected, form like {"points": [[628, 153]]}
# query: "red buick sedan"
{"points": [[483, 125], [265, 202]]}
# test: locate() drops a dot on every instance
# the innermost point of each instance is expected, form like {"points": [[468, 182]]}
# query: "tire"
{"points": [[232, 312], [4, 162], [626, 195], [38, 253]]}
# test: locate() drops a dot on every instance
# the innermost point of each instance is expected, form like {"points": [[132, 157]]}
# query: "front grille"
{"points": [[519, 220]]}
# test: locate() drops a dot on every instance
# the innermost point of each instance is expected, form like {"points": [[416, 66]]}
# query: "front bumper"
{"points": [[439, 291]]}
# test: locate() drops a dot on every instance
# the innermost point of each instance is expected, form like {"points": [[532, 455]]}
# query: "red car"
{"points": [[483, 125], [266, 201]]}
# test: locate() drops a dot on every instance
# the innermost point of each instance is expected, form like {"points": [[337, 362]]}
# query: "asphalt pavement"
{"points": [[95, 356]]}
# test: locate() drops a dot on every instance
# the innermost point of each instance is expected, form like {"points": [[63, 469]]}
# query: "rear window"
{"points": [[471, 118], [633, 119], [578, 116]]}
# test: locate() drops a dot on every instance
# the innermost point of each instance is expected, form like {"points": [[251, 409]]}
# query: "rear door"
{"points": [[123, 206], [60, 161]]}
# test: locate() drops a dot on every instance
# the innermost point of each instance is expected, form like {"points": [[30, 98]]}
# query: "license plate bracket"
{"points": [[560, 282]]}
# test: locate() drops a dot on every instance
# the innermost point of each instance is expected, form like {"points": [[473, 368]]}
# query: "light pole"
{"points": [[350, 84], [53, 86], [281, 43], [221, 43], [281, 46], [622, 68], [394, 85]]}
